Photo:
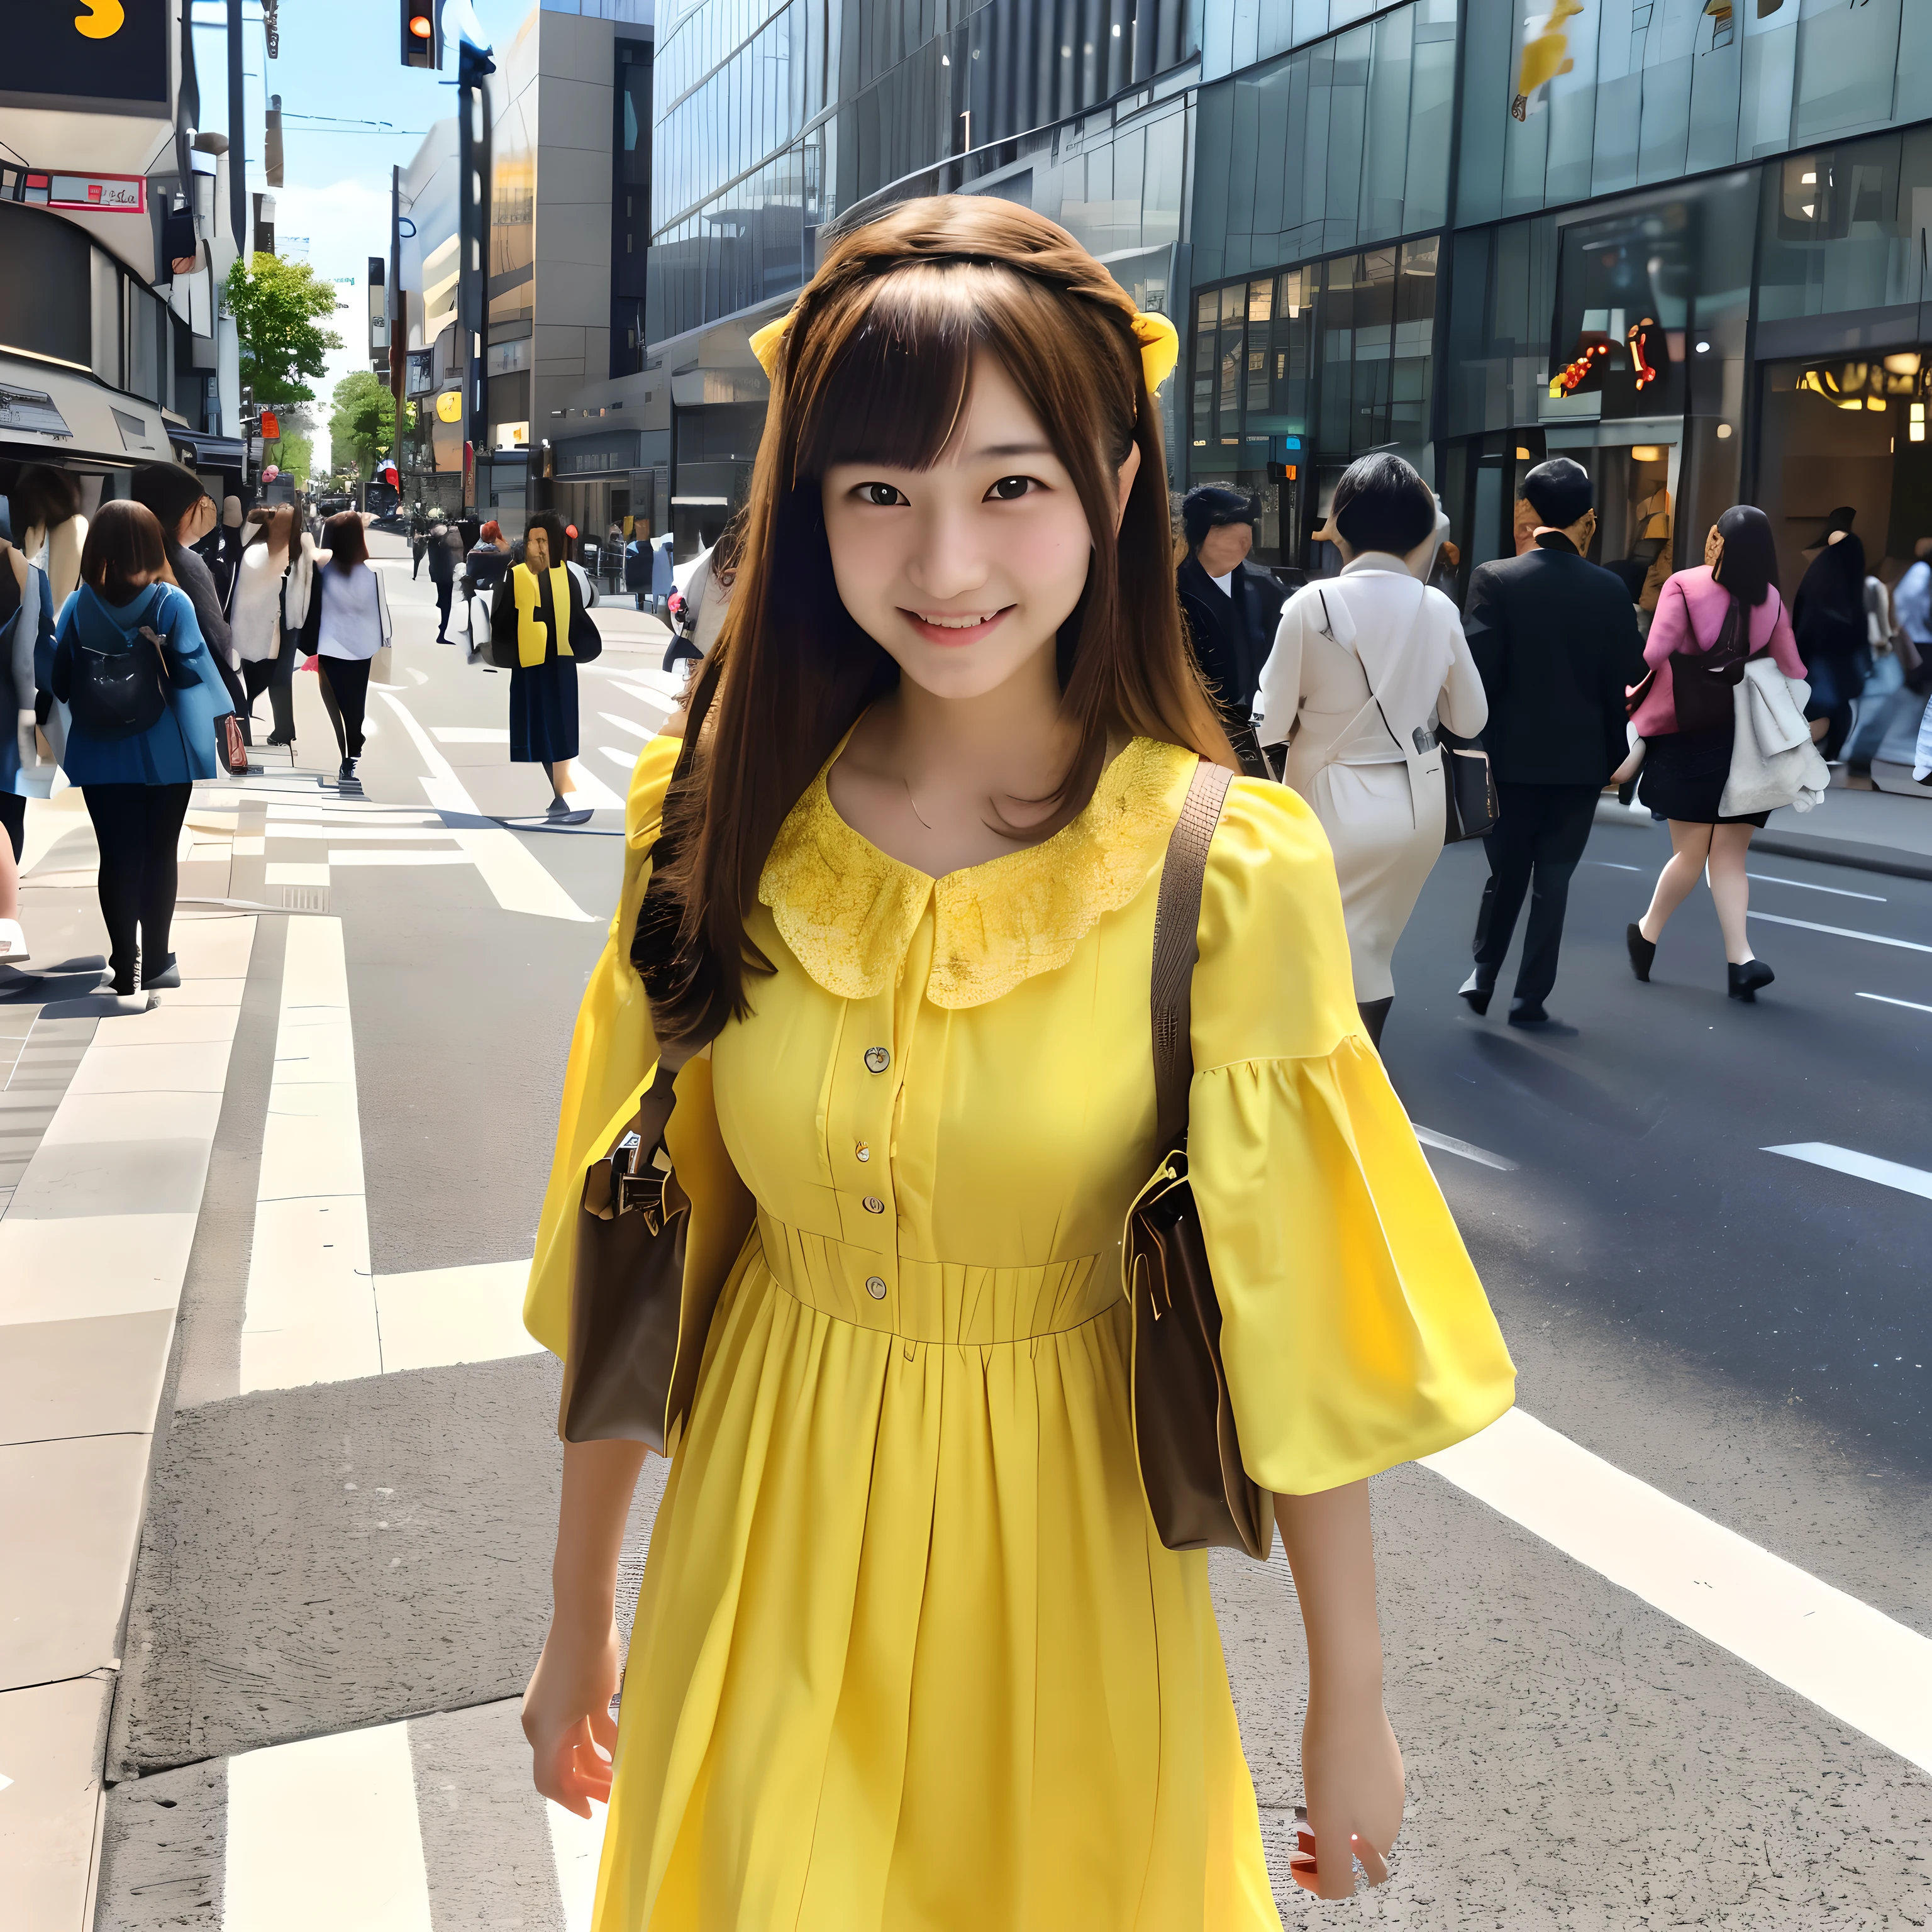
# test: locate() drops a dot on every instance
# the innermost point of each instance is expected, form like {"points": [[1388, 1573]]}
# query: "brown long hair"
{"points": [[348, 541], [124, 540], [876, 366]]}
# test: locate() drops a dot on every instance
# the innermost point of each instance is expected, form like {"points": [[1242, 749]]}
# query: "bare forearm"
{"points": [[1332, 1552], [599, 1481]]}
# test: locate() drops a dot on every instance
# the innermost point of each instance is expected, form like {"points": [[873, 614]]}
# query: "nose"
{"points": [[950, 559]]}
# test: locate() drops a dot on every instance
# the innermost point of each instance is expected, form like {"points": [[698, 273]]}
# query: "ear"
{"points": [[1124, 485]]}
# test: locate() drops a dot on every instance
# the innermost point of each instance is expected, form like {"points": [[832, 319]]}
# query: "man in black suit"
{"points": [[1231, 607], [1556, 639]]}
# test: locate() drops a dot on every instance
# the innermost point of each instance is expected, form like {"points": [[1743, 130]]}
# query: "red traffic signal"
{"points": [[421, 33]]}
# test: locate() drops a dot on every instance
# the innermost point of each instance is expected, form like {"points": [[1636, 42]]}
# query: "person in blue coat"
{"points": [[135, 764]]}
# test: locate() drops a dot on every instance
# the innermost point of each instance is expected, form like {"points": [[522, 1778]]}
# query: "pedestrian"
{"points": [[277, 572], [445, 553], [346, 623], [483, 566], [1827, 617], [26, 633], [1709, 623], [1555, 639], [418, 543], [186, 513], [1883, 694], [637, 567], [1230, 608], [130, 664], [909, 1650], [539, 630], [1362, 665]]}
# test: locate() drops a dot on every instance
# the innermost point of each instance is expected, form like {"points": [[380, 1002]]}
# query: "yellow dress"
{"points": [[909, 1655]]}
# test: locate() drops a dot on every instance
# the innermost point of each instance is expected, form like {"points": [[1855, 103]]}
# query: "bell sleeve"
{"points": [[1355, 1333], [612, 1050]]}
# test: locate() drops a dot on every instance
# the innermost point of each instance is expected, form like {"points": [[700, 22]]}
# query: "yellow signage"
{"points": [[449, 406], [103, 17]]}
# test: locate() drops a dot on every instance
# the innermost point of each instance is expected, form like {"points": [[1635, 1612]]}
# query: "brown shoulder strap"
{"points": [[1177, 921]]}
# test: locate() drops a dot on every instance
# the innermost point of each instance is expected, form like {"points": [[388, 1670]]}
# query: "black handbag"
{"points": [[1470, 807], [118, 694]]}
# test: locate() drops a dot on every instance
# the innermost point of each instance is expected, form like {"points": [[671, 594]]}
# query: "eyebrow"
{"points": [[1005, 449]]}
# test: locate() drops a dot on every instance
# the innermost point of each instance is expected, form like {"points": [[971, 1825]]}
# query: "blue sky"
{"points": [[339, 58]]}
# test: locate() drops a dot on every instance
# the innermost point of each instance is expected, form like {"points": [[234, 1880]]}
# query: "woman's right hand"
{"points": [[567, 1714]]}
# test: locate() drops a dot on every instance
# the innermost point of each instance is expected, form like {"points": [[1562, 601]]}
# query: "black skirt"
{"points": [[1684, 775], [543, 713]]}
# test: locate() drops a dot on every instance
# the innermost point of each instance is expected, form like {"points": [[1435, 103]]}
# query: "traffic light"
{"points": [[422, 33]]}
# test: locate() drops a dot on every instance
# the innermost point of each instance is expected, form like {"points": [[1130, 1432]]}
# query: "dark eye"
{"points": [[1008, 488], [880, 496]]}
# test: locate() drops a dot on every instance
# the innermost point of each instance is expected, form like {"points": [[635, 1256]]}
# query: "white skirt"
{"points": [[1384, 847]]}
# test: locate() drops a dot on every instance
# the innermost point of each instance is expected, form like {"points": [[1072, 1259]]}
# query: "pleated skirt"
{"points": [[543, 713], [908, 1654]]}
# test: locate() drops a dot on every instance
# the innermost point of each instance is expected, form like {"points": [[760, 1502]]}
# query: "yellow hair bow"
{"points": [[1159, 341]]}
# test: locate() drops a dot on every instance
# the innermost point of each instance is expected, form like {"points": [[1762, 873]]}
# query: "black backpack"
{"points": [[117, 694]]}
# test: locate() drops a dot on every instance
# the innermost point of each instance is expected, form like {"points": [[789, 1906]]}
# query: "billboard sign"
{"points": [[88, 49]]}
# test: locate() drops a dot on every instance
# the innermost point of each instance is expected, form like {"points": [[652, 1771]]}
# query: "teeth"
{"points": [[959, 623]]}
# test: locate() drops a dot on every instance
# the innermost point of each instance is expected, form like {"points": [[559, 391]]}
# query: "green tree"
{"points": [[296, 455], [277, 306], [363, 423]]}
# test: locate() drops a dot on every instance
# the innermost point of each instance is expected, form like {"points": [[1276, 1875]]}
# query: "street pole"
{"points": [[473, 203], [238, 167], [398, 314]]}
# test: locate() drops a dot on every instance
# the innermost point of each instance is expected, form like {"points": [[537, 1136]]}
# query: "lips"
{"points": [[948, 627]]}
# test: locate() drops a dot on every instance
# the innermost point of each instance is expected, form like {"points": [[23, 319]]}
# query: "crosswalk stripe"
{"points": [[1842, 932], [325, 1835], [1845, 1657], [1805, 886], [1448, 1143], [516, 877], [356, 855], [629, 725], [1860, 1166], [310, 1314], [1916, 1006]]}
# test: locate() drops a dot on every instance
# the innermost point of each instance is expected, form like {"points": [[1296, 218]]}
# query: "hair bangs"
{"points": [[895, 390]]}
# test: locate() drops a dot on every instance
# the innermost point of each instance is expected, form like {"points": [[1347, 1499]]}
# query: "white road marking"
{"points": [[429, 828], [629, 759], [577, 1846], [1611, 864], [1843, 932], [388, 856], [1448, 1143], [438, 1316], [1860, 1166], [470, 734], [1887, 999], [292, 872], [627, 724], [310, 1314], [325, 1835], [1850, 1659], [1805, 886], [513, 873], [586, 788]]}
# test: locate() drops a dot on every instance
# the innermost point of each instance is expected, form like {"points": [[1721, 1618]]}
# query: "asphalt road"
{"points": [[362, 1563]]}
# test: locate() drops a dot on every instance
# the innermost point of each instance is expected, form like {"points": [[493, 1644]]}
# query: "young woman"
{"points": [[1361, 664], [346, 623], [265, 592], [26, 637], [535, 612], [186, 513], [1709, 621], [909, 1650], [1828, 618], [136, 785]]}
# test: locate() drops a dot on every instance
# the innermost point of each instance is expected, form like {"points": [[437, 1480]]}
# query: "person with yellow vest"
{"points": [[540, 632]]}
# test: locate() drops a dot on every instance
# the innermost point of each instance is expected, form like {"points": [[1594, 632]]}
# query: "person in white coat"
{"points": [[1364, 665]]}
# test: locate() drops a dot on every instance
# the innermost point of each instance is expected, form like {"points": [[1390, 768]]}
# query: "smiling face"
{"points": [[964, 573]]}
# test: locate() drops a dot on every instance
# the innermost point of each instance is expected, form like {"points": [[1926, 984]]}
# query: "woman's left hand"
{"points": [[1630, 767], [1351, 1774]]}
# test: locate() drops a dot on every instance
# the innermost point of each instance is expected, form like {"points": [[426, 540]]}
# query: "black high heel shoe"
{"points": [[1642, 951], [1746, 979]]}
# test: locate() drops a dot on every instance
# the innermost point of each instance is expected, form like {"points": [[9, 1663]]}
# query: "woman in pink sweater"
{"points": [[1709, 623]]}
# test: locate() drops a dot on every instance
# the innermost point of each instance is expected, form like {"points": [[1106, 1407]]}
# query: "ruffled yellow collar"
{"points": [[848, 912]]}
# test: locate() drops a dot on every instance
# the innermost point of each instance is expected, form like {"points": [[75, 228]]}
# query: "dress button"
{"points": [[874, 1205], [864, 1152], [877, 1059], [875, 1287]]}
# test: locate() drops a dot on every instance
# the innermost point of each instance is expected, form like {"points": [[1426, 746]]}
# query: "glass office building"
{"points": [[1686, 242]]}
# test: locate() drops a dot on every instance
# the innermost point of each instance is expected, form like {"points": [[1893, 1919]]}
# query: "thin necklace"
{"points": [[914, 803]]}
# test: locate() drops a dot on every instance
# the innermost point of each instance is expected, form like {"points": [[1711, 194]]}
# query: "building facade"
{"points": [[1684, 240]]}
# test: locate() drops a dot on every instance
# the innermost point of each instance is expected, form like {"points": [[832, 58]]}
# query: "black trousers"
{"points": [[348, 682], [444, 587], [1539, 838], [276, 676], [136, 827], [14, 821]]}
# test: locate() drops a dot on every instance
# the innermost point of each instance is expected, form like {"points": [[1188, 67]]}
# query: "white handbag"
{"points": [[1774, 761]]}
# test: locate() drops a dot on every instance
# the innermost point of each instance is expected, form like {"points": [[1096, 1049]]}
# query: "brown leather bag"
{"points": [[1190, 1457]]}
